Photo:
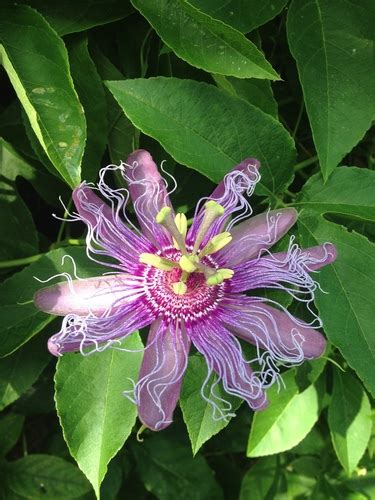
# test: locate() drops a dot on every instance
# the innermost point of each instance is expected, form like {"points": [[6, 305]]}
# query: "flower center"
{"points": [[190, 261], [198, 299]]}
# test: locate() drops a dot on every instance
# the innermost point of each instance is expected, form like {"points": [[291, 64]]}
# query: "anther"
{"points": [[165, 219], [179, 288], [216, 243], [212, 210], [156, 261], [188, 263], [181, 223], [219, 277]]}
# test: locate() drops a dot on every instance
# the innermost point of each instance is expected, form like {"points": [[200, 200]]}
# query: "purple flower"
{"points": [[188, 284]]}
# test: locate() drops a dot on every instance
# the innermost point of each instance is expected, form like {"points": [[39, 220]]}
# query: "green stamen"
{"points": [[188, 263], [181, 223], [164, 218], [212, 211], [156, 261], [179, 288], [216, 243], [220, 276]]}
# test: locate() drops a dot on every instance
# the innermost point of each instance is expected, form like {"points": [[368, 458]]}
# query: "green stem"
{"points": [[306, 163], [62, 227], [20, 262], [298, 121]]}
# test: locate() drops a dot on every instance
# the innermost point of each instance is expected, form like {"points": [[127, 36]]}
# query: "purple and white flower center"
{"points": [[198, 300]]}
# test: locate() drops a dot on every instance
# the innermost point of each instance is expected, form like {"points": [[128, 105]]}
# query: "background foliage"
{"points": [[201, 85]]}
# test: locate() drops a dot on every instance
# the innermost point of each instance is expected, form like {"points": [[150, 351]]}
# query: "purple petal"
{"points": [[108, 235], [149, 194], [230, 194], [163, 366], [285, 338], [92, 295], [79, 333], [223, 355], [315, 257], [251, 237], [283, 270]]}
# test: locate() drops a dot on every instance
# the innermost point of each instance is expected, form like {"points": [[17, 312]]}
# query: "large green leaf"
{"points": [[207, 129], [203, 41], [91, 93], [20, 370], [288, 419], [349, 418], [20, 319], [197, 413], [44, 476], [40, 76], [349, 191], [71, 16], [244, 15], [347, 307], [169, 471], [95, 416], [332, 42]]}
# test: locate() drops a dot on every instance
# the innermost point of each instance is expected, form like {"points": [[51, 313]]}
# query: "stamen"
{"points": [[216, 243], [181, 223], [156, 261], [179, 288], [188, 263], [212, 211], [219, 277], [165, 219]]}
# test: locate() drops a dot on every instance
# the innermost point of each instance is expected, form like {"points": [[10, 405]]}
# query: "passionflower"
{"points": [[189, 284]]}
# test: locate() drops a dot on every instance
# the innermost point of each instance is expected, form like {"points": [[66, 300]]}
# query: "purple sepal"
{"points": [[162, 369]]}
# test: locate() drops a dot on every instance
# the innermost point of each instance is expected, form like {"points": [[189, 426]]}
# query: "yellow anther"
{"points": [[214, 207], [212, 211], [219, 277], [163, 214], [179, 288], [216, 243], [188, 263], [181, 223], [156, 261]]}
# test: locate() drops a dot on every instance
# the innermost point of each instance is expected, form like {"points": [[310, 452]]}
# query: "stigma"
{"points": [[192, 259]]}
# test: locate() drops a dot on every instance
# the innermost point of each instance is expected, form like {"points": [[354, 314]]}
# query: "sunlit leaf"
{"points": [[102, 418], [41, 79], [349, 418]]}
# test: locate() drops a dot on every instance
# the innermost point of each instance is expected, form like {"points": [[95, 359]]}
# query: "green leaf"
{"points": [[197, 413], [347, 306], [45, 476], [203, 41], [349, 419], [18, 236], [244, 15], [256, 92], [71, 16], [91, 93], [95, 415], [19, 371], [40, 76], [349, 191], [169, 471], [206, 129], [288, 419], [332, 42], [21, 320], [258, 480], [10, 430]]}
